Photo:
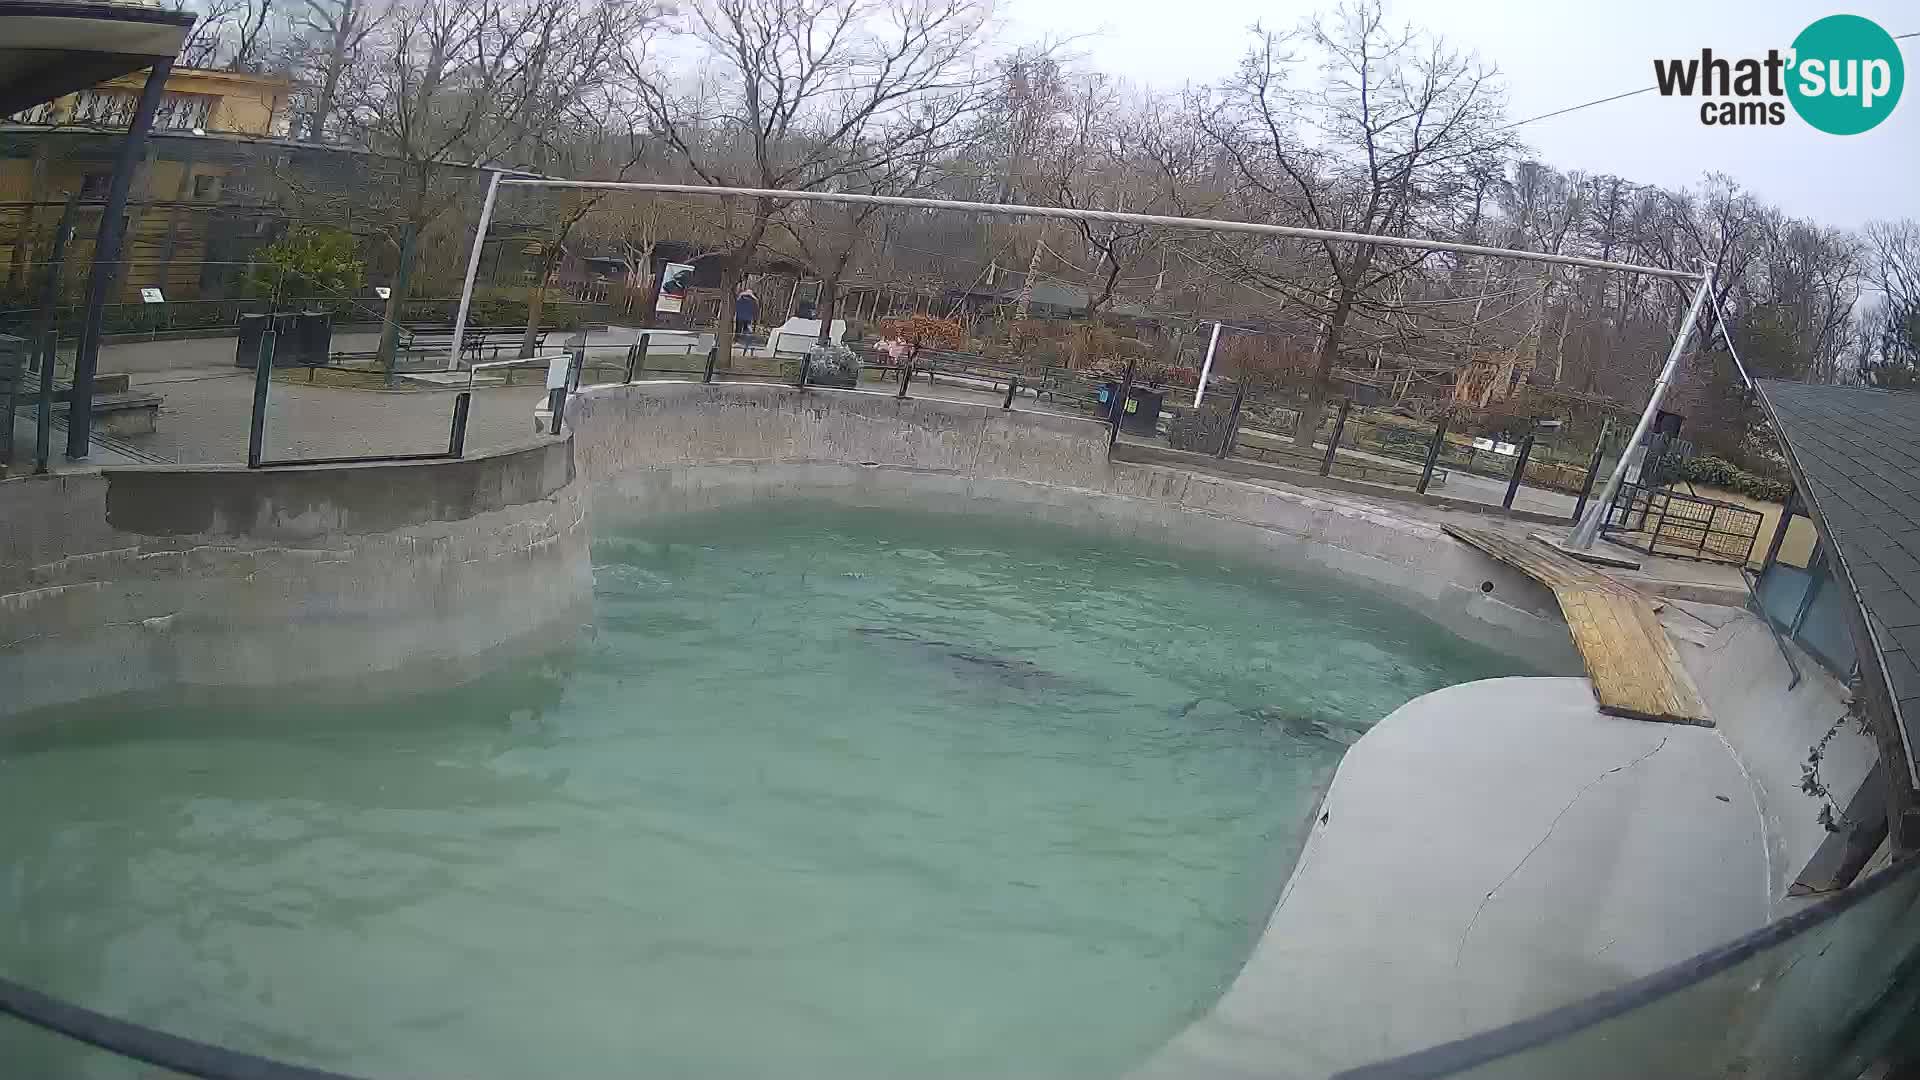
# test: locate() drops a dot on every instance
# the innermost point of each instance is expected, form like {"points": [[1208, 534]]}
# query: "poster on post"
{"points": [[674, 282]]}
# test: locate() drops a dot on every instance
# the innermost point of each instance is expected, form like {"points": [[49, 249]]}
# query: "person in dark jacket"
{"points": [[746, 307]]}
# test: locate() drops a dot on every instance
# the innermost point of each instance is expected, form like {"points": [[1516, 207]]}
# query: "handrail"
{"points": [[536, 360]]}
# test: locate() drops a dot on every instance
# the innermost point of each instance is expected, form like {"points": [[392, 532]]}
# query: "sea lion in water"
{"points": [[1307, 725], [964, 660]]}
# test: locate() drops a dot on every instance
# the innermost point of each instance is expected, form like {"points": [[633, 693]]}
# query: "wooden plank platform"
{"points": [[1630, 661]]}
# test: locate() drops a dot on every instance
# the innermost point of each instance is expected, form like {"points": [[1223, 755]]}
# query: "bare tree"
{"points": [[805, 94], [236, 34], [336, 31], [1393, 134], [454, 82]]}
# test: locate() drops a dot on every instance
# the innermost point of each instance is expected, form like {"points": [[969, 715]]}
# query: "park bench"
{"points": [[118, 409], [435, 339]]}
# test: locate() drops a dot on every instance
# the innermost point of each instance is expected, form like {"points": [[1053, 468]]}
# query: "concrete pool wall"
{"points": [[664, 447], [139, 578], [143, 578]]}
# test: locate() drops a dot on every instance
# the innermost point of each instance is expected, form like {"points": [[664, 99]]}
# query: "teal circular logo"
{"points": [[1846, 74]]}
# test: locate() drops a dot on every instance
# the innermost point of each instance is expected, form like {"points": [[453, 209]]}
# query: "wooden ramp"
{"points": [[1630, 661]]}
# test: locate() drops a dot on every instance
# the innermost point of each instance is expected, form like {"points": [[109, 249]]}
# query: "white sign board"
{"points": [[382, 292], [557, 369], [150, 295], [1506, 448], [1483, 444], [675, 280]]}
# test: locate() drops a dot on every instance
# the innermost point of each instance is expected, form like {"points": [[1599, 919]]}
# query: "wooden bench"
{"points": [[1631, 663], [418, 341], [118, 409]]}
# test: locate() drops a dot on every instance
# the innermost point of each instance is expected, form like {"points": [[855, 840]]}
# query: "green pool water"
{"points": [[817, 793]]}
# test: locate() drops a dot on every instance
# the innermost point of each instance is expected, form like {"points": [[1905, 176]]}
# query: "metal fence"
{"points": [[1659, 521]]}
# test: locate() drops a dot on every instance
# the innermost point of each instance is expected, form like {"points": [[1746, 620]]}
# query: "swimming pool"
{"points": [[818, 792]]}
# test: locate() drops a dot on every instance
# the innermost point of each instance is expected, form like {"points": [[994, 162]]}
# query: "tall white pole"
{"points": [[473, 271], [1206, 367], [1587, 530]]}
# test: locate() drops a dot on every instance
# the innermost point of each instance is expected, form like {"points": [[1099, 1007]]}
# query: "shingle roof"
{"points": [[1857, 454]]}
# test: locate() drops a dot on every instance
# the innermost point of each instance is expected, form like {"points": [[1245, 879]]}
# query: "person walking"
{"points": [[746, 307]]}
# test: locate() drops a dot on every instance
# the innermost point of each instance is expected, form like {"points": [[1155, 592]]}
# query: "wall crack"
{"points": [[1461, 949]]}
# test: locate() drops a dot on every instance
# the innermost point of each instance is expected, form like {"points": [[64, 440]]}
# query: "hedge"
{"points": [[1720, 473]]}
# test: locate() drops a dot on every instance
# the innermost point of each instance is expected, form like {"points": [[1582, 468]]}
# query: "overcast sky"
{"points": [[1556, 54]]}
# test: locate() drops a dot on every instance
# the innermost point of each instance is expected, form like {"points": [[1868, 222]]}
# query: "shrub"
{"points": [[833, 365], [924, 332], [307, 262], [1720, 473]]}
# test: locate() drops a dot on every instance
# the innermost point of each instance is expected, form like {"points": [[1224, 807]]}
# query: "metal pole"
{"points": [[1593, 467], [1780, 530], [1119, 408], [1433, 454], [1333, 444], [1119, 217], [43, 420], [47, 333], [636, 356], [262, 377], [1013, 387], [457, 439], [906, 375], [806, 359], [106, 261], [1206, 366], [473, 270], [713, 357], [1519, 470], [1588, 529], [1233, 422]]}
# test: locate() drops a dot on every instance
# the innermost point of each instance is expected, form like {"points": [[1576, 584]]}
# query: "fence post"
{"points": [[636, 356], [906, 374], [806, 361], [1593, 469], [1013, 385], [1233, 422], [1433, 454], [1333, 443], [262, 377], [1653, 537], [43, 420], [1118, 407], [713, 357], [1519, 470], [48, 325], [457, 439]]}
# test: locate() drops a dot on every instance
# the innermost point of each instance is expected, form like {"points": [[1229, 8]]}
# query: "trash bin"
{"points": [[313, 334], [1140, 415], [246, 350]]}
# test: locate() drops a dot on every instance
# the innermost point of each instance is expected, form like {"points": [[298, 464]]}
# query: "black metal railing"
{"points": [[1659, 521], [257, 423]]}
